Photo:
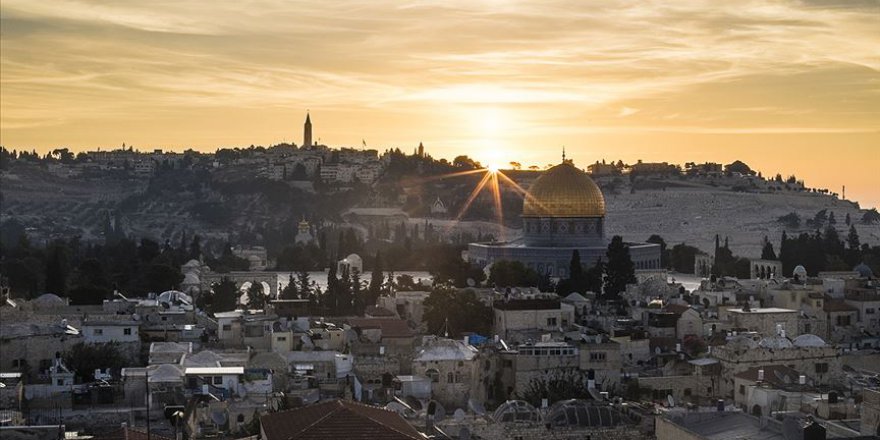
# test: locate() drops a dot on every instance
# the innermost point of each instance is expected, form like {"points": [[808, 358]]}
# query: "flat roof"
{"points": [[214, 370], [763, 310]]}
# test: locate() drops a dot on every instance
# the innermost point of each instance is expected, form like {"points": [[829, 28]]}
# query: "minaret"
{"points": [[421, 150], [307, 132]]}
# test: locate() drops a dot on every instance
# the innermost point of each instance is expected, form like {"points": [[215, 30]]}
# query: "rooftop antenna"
{"points": [[446, 328], [563, 153]]}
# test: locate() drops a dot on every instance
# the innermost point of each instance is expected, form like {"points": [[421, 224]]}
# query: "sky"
{"points": [[786, 86]]}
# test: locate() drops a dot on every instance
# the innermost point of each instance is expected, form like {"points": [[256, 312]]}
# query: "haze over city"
{"points": [[786, 86]]}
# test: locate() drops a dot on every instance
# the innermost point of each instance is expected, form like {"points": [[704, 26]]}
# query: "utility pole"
{"points": [[147, 385]]}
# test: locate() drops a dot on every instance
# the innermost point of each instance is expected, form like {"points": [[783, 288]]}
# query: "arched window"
{"points": [[450, 378], [433, 374]]}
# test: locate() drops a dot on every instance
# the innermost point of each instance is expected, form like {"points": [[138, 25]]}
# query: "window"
{"points": [[59, 382], [433, 374], [551, 322], [742, 389], [807, 327], [98, 331], [597, 356], [218, 380], [508, 363], [843, 320], [282, 338], [450, 378], [821, 367], [869, 311], [227, 327], [164, 318], [15, 363], [126, 331]]}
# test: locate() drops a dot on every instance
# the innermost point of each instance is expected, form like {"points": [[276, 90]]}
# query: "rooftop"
{"points": [[762, 310], [337, 419]]}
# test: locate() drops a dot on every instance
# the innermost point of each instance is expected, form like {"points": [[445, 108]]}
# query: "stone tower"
{"points": [[307, 132]]}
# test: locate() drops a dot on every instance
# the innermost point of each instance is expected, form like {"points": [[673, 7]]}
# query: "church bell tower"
{"points": [[307, 132]]}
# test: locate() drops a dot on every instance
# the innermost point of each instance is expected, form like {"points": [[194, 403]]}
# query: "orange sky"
{"points": [[787, 86]]}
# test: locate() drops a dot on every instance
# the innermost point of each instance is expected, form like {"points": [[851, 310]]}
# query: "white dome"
{"points": [[48, 300], [808, 340], [354, 258], [192, 264], [516, 411], [775, 342], [799, 271]]}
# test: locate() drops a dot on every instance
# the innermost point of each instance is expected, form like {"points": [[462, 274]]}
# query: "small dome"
{"points": [[564, 191], [864, 271], [775, 342], [48, 300], [808, 340], [354, 258], [192, 264], [516, 411], [655, 304], [800, 272], [582, 413]]}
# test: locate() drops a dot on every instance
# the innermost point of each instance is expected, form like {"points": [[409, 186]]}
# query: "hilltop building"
{"points": [[564, 211]]}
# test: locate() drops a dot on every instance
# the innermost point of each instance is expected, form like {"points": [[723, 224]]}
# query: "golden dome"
{"points": [[564, 191]]}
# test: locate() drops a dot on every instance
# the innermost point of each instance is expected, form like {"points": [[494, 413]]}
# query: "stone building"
{"points": [[765, 320], [31, 348], [454, 370], [807, 354], [519, 319]]}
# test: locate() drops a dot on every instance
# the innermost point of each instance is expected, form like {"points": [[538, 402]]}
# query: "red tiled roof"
{"points": [[391, 327], [337, 420]]}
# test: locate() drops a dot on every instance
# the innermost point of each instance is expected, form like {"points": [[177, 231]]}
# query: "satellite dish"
{"points": [[436, 410], [471, 282], [218, 417], [458, 415], [670, 400], [476, 407]]}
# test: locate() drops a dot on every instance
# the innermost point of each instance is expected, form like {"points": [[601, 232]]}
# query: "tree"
{"points": [[162, 277], [57, 270], [508, 273], [767, 252], [83, 359], [456, 312], [376, 279], [290, 291], [620, 269], [256, 296], [664, 254], [738, 167], [790, 220], [682, 258], [852, 239], [831, 220], [224, 296], [559, 384]]}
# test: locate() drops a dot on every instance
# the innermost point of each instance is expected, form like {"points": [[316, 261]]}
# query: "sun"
{"points": [[493, 168]]}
